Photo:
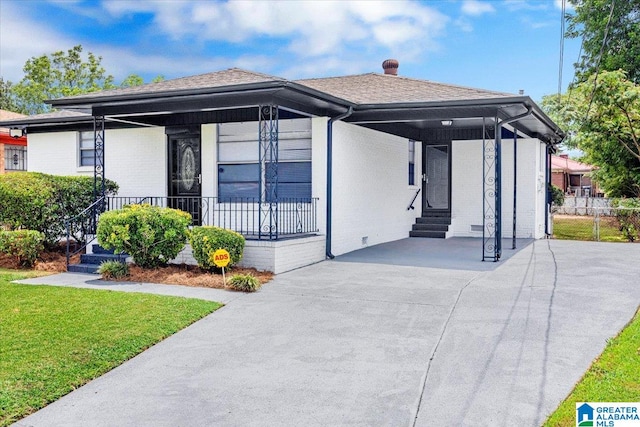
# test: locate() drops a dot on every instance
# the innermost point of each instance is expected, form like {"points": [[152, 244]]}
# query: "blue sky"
{"points": [[503, 45]]}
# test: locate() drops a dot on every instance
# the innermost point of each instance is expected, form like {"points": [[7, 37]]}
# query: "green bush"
{"points": [[112, 270], [152, 235], [628, 217], [557, 196], [24, 245], [205, 240], [42, 202], [244, 283]]}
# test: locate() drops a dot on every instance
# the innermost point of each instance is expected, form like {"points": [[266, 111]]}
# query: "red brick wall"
{"points": [[558, 179]]}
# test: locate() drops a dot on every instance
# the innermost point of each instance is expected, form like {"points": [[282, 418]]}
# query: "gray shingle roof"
{"points": [[371, 88], [229, 77], [374, 88]]}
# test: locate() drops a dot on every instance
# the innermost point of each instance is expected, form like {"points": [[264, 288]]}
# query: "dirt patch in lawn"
{"points": [[55, 261]]}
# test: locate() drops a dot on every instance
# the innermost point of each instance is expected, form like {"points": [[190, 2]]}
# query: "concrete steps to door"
{"points": [[433, 225], [89, 263]]}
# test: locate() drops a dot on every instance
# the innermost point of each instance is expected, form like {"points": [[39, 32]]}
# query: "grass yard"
{"points": [[568, 227], [55, 339], [613, 377]]}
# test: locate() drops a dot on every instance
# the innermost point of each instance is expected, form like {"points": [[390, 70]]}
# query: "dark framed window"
{"points": [[240, 174], [15, 158], [294, 181], [238, 180]]}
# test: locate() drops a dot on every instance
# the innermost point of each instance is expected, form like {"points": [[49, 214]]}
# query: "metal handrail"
{"points": [[95, 212], [411, 207]]}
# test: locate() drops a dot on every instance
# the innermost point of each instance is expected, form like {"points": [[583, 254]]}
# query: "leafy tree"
{"points": [[132, 80], [622, 48], [603, 119], [57, 75], [7, 98]]}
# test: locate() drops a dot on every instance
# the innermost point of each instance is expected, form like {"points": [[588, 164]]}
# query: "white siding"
{"points": [[319, 168], [467, 196], [137, 160], [370, 188], [134, 158], [55, 153], [209, 164]]}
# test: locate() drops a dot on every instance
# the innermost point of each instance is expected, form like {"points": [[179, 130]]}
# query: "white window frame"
{"points": [[84, 137]]}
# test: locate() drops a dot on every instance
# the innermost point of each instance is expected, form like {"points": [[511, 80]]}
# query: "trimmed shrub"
{"points": [[244, 283], [113, 270], [24, 245], [206, 239], [42, 202], [152, 235]]}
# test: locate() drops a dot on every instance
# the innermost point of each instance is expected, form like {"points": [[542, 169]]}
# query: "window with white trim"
{"points": [[239, 172], [86, 151]]}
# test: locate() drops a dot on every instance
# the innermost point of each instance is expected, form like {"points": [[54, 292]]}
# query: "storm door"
{"points": [[185, 175], [436, 178]]}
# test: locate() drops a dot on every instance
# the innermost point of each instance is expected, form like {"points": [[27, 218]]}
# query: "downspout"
{"points": [[330, 176], [547, 191], [498, 138]]}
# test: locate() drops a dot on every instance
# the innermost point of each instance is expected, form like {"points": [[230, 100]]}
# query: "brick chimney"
{"points": [[390, 66]]}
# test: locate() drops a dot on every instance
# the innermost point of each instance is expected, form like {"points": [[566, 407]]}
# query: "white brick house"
{"points": [[265, 155]]}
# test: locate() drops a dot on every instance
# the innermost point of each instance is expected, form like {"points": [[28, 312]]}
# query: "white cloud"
{"points": [[515, 5], [14, 51], [304, 38], [476, 7], [463, 24], [314, 28]]}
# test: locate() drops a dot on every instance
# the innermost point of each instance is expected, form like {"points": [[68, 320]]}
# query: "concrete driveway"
{"points": [[370, 344]]}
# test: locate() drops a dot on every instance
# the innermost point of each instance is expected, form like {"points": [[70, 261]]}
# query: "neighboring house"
{"points": [[313, 168], [573, 177], [13, 149]]}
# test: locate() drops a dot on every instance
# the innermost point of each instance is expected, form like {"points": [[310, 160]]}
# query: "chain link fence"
{"points": [[601, 224]]}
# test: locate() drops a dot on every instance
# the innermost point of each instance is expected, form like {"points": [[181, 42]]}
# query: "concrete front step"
{"points": [[431, 234], [83, 268], [430, 227], [437, 214], [100, 258], [89, 263], [433, 220]]}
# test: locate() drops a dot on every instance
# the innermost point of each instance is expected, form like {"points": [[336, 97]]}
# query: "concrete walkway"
{"points": [[371, 344]]}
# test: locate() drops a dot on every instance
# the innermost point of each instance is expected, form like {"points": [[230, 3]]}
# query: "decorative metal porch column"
{"points": [[98, 157], [268, 156], [491, 187], [98, 172]]}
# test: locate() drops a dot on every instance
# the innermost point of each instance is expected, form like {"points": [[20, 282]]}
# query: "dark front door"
{"points": [[436, 179], [185, 175]]}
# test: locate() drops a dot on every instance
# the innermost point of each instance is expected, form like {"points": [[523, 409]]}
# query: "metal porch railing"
{"points": [[275, 220]]}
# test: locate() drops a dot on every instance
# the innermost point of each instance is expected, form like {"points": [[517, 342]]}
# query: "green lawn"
{"points": [[55, 339], [581, 228], [613, 377]]}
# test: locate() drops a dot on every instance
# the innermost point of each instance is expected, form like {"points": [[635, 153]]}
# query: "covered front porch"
{"points": [[169, 142]]}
